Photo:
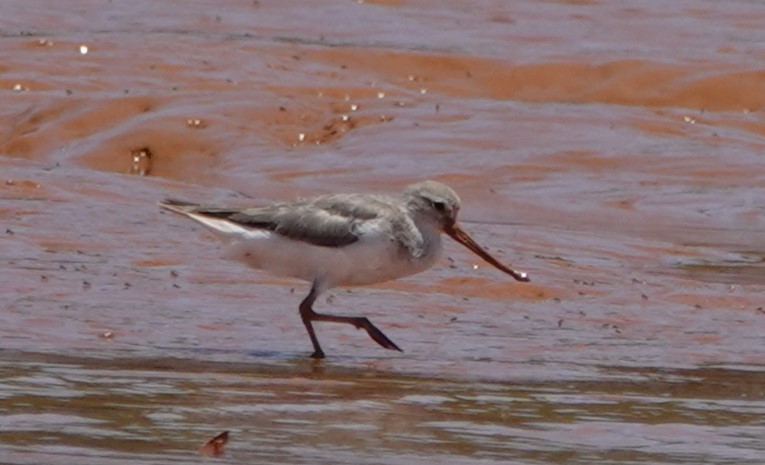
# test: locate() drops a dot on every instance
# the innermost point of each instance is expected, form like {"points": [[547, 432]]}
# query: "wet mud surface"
{"points": [[613, 153]]}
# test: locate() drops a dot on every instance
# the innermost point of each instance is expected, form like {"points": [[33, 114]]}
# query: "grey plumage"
{"points": [[328, 221]]}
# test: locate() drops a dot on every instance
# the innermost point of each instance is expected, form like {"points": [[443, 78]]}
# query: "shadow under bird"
{"points": [[342, 240]]}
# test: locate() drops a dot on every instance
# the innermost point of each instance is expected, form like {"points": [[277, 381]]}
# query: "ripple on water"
{"points": [[647, 416]]}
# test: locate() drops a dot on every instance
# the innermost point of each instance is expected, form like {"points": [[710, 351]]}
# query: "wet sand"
{"points": [[614, 154]]}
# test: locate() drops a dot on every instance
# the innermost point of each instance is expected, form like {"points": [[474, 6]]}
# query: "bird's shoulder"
{"points": [[330, 220]]}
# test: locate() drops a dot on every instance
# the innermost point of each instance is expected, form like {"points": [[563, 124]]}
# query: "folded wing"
{"points": [[327, 221]]}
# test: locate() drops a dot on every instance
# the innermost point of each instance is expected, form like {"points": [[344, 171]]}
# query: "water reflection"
{"points": [[56, 409]]}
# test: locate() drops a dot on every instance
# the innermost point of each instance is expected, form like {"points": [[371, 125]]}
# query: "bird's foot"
{"points": [[377, 335]]}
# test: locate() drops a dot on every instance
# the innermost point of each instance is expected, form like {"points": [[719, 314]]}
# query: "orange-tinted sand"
{"points": [[614, 153]]}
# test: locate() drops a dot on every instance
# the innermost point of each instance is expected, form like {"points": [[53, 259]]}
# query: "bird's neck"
{"points": [[429, 243]]}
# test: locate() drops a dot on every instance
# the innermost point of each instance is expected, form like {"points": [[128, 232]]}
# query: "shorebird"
{"points": [[341, 240]]}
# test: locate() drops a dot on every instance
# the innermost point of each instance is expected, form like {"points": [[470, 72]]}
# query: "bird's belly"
{"points": [[367, 261], [377, 261]]}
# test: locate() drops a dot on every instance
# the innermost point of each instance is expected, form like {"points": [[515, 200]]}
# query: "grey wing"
{"points": [[329, 221]]}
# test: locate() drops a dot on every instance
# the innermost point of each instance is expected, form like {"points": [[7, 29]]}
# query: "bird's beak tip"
{"points": [[459, 235]]}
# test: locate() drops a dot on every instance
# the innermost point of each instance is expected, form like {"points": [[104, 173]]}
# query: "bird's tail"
{"points": [[213, 218], [181, 207]]}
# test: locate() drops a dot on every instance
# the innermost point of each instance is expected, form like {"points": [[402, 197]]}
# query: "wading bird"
{"points": [[341, 240]]}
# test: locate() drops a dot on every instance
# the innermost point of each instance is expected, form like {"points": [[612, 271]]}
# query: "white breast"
{"points": [[372, 259]]}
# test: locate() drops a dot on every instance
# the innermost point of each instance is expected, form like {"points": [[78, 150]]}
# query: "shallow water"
{"points": [[612, 153], [158, 410]]}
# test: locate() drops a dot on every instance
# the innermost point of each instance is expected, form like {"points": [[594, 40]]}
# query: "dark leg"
{"points": [[309, 315], [360, 322]]}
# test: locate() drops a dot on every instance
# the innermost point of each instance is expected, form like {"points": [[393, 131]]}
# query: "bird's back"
{"points": [[343, 239]]}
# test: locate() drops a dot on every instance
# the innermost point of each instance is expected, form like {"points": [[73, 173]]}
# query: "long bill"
{"points": [[459, 235]]}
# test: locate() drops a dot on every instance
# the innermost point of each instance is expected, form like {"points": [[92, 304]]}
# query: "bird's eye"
{"points": [[439, 206]]}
